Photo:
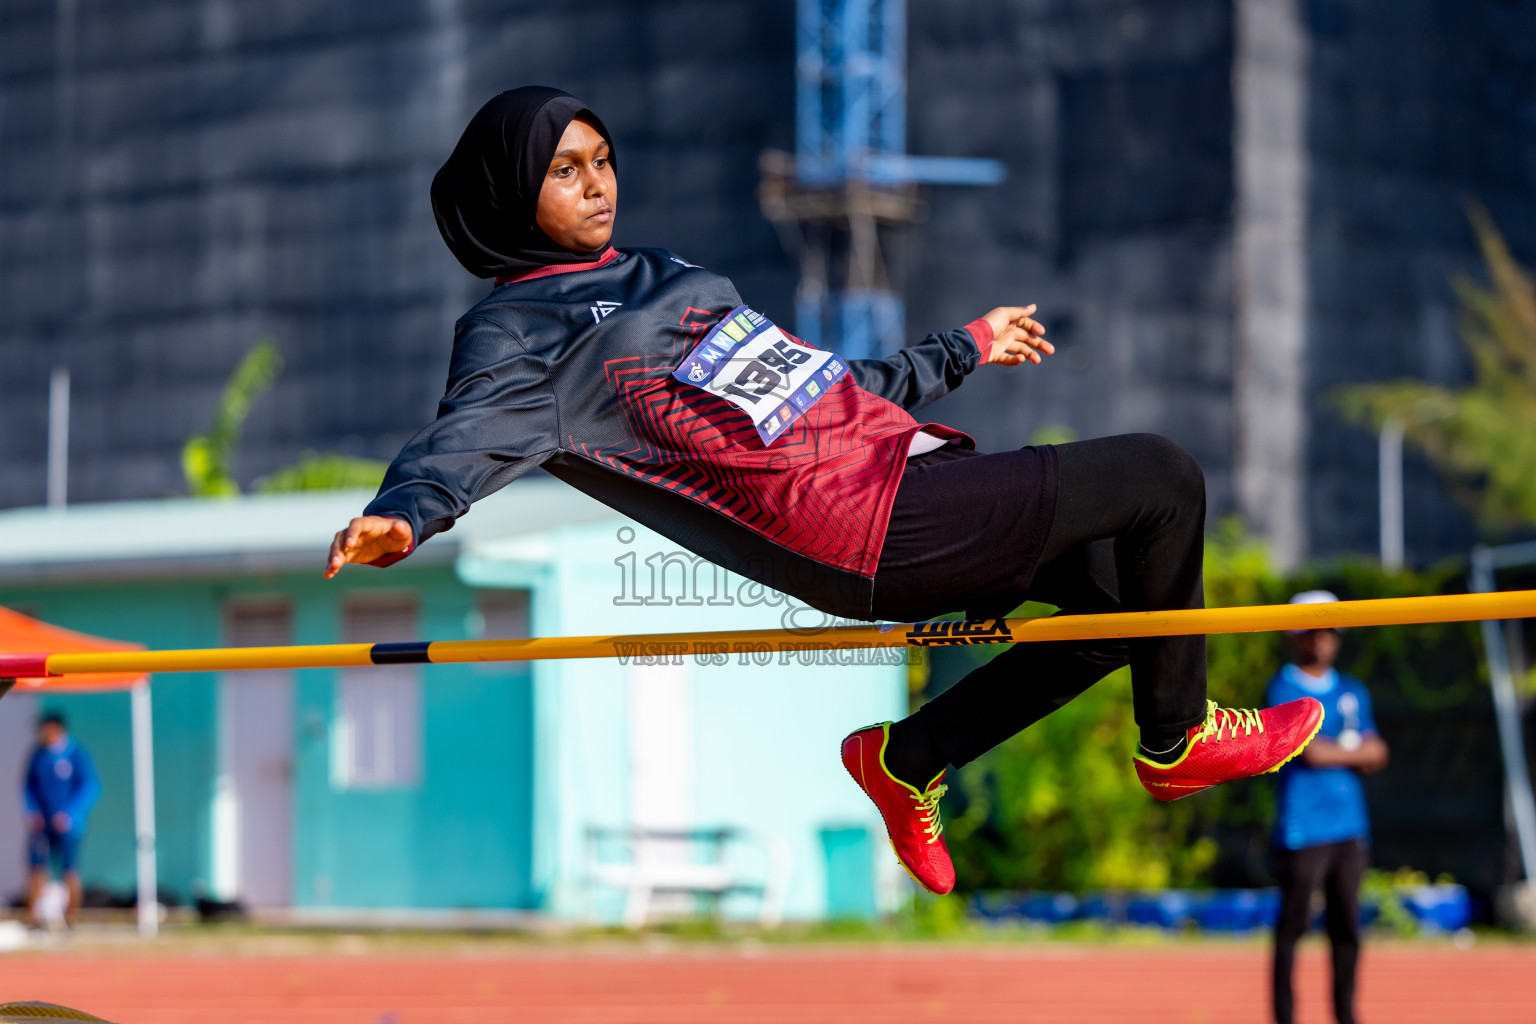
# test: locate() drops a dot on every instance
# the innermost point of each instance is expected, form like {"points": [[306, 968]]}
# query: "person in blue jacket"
{"points": [[60, 789], [1323, 833]]}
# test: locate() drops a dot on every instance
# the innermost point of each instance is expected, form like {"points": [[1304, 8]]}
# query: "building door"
{"points": [[661, 772], [256, 785], [378, 740], [661, 745]]}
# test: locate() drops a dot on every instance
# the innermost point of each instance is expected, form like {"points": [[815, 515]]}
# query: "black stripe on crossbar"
{"points": [[399, 654]]}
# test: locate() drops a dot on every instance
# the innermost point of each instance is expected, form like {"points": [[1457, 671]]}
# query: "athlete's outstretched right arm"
{"points": [[935, 366], [496, 422]]}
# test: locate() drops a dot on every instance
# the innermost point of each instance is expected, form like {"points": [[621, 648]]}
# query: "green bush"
{"points": [[1483, 436], [208, 459], [1058, 807]]}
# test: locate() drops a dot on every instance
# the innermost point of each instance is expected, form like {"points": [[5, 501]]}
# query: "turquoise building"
{"points": [[486, 789]]}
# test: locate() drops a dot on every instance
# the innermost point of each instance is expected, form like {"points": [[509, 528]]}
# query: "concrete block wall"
{"points": [[1416, 108], [183, 177], [179, 178], [1115, 121]]}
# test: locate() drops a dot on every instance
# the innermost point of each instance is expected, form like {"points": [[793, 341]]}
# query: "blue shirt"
{"points": [[1322, 805], [61, 779]]}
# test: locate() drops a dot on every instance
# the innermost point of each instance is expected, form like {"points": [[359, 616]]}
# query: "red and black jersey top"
{"points": [[570, 368]]}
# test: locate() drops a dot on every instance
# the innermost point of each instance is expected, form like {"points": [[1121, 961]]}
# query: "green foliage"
{"points": [[1483, 436], [1058, 807], [1385, 889], [1053, 433], [331, 472], [1238, 573], [935, 917], [207, 460], [1380, 887], [919, 671], [1428, 667]]}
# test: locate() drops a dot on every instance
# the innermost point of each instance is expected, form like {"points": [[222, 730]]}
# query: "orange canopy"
{"points": [[22, 635]]}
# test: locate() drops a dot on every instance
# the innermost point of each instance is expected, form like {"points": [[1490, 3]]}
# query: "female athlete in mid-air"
{"points": [[646, 382]]}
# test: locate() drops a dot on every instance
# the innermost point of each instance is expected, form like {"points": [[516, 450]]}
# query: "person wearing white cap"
{"points": [[1322, 833]]}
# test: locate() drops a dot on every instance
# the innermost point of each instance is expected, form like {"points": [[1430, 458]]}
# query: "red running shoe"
{"points": [[1216, 752], [911, 816]]}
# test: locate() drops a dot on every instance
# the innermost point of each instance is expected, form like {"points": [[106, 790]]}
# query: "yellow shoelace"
{"points": [[1221, 719], [928, 809]]}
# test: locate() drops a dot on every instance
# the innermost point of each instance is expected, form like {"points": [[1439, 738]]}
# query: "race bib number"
{"points": [[749, 362]]}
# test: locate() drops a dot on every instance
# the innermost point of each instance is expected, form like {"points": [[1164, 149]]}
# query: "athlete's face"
{"points": [[581, 193]]}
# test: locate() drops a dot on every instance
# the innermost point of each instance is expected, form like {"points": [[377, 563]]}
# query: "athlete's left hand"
{"points": [[1017, 336]]}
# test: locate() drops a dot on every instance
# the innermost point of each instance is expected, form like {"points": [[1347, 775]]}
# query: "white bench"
{"points": [[656, 863]]}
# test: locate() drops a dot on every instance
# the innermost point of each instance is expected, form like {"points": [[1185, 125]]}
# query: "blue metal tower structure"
{"points": [[851, 173]]}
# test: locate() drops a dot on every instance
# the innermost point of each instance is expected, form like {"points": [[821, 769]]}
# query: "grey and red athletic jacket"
{"points": [[570, 367]]}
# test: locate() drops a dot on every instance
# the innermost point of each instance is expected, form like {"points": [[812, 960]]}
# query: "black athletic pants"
{"points": [[1126, 532], [1337, 868]]}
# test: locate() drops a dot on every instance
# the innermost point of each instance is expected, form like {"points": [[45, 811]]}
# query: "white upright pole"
{"points": [[1506, 708], [1390, 473], [58, 438], [144, 810]]}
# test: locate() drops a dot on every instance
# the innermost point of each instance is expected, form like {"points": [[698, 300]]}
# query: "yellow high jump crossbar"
{"points": [[1518, 604]]}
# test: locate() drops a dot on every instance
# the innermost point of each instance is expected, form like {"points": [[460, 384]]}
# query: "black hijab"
{"points": [[485, 196]]}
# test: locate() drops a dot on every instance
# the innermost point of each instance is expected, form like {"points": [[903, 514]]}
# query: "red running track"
{"points": [[1081, 985]]}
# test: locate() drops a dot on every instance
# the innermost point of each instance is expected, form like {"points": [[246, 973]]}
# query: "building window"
{"points": [[501, 615], [258, 622], [378, 724]]}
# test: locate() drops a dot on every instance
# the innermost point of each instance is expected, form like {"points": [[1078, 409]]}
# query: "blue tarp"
{"points": [[1435, 907]]}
